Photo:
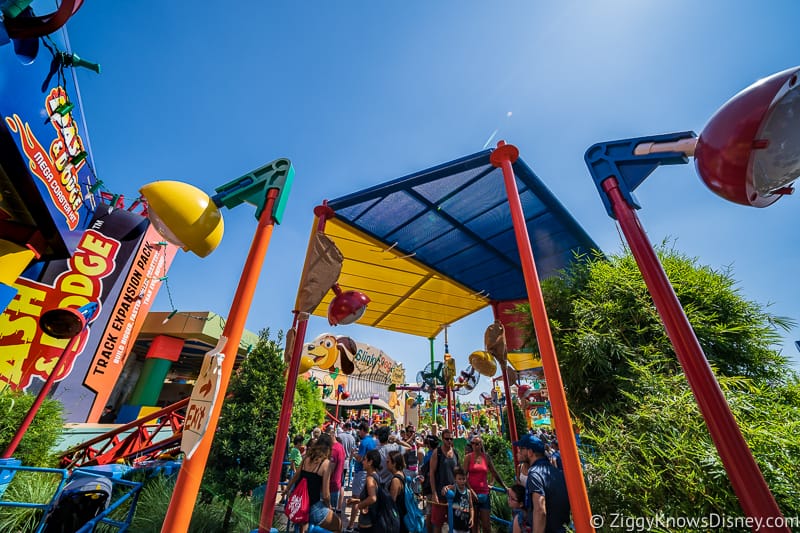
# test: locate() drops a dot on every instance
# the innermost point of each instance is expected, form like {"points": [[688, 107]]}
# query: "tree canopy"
{"points": [[650, 452], [603, 320], [241, 453]]}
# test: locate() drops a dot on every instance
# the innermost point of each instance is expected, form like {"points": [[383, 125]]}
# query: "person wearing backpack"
{"points": [[371, 462], [397, 485], [315, 471], [377, 510], [442, 465]]}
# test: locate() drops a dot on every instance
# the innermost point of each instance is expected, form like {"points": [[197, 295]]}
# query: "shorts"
{"points": [[318, 513], [438, 513], [359, 482], [484, 502]]}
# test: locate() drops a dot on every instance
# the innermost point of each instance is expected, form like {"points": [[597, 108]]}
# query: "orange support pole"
{"points": [[181, 506], [503, 157]]}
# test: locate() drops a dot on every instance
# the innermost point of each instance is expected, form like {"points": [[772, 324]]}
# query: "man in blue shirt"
{"points": [[359, 474], [546, 492]]}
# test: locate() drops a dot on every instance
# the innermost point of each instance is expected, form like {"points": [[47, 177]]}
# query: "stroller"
{"points": [[82, 499]]}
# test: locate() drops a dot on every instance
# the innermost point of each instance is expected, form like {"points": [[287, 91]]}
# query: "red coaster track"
{"points": [[141, 440]]}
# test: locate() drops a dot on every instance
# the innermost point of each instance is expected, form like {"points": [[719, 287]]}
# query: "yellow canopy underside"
{"points": [[524, 360], [406, 296]]}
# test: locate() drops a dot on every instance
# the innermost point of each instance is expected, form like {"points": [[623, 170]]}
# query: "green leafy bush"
{"points": [[659, 458], [35, 448], [651, 453], [207, 517], [308, 411]]}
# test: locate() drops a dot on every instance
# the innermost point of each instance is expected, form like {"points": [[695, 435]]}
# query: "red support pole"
{"points": [[503, 157], [279, 448], [748, 482], [184, 495]]}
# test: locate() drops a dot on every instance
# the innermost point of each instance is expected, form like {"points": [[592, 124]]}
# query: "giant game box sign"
{"points": [[47, 179], [119, 262]]}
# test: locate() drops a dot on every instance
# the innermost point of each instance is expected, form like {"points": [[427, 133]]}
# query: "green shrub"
{"points": [[35, 448], [499, 449], [207, 517]]}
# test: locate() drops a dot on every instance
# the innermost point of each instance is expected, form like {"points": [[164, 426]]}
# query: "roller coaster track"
{"points": [[141, 440]]}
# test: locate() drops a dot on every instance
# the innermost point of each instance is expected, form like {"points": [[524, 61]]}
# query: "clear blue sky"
{"points": [[356, 93]]}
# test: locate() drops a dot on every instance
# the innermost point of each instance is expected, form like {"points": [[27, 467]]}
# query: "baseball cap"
{"points": [[530, 442]]}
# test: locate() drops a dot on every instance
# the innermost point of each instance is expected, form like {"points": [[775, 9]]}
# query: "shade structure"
{"points": [[435, 246], [406, 295]]}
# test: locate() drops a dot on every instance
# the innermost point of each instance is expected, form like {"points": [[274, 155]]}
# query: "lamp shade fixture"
{"points": [[749, 152], [346, 306], [67, 322], [184, 215]]}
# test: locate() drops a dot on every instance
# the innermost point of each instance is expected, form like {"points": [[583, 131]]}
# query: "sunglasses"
{"points": [[447, 438]]}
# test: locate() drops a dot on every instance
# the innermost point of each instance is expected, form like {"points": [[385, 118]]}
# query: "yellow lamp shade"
{"points": [[483, 362], [184, 215]]}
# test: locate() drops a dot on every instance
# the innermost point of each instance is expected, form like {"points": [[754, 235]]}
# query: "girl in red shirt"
{"points": [[478, 464]]}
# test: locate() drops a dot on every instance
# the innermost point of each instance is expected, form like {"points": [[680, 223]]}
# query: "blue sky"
{"points": [[356, 93]]}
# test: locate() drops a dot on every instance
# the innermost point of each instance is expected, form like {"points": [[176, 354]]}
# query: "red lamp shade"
{"points": [[346, 307], [67, 322], [749, 152], [345, 395]]}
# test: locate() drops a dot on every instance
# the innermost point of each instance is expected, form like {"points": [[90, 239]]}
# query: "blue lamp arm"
{"points": [[617, 158]]}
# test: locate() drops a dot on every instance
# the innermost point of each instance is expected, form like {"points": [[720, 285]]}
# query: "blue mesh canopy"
{"points": [[455, 219]]}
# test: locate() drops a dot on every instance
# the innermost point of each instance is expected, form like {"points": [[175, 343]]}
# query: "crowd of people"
{"points": [[370, 459]]}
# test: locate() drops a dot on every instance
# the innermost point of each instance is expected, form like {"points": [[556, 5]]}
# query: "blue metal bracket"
{"points": [[617, 159], [253, 186]]}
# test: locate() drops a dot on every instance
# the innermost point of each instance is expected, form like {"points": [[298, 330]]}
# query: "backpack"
{"points": [[386, 518], [425, 473], [297, 507], [414, 520]]}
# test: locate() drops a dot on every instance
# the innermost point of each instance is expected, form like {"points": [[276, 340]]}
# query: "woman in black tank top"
{"points": [[316, 470]]}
